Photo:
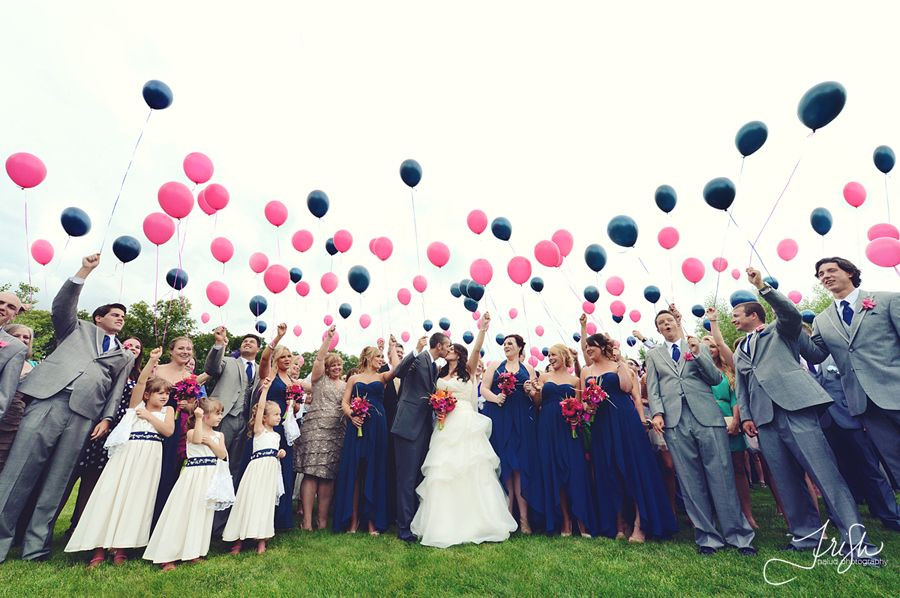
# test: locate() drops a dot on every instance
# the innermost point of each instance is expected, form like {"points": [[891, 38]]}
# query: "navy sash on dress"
{"points": [[145, 436], [269, 452], [197, 461]]}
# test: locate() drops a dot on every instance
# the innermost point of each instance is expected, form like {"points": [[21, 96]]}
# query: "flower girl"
{"points": [[253, 514], [185, 526], [117, 515]]}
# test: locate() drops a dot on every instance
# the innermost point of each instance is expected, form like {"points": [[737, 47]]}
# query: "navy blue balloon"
{"points": [[75, 222], [666, 198], [427, 325], [595, 257], [260, 326], [591, 293], [537, 284], [884, 158], [821, 104], [177, 278], [258, 305], [464, 286], [359, 278], [470, 304], [652, 294], [454, 290], [157, 94], [411, 172], [499, 338], [501, 228], [126, 248], [296, 275], [719, 193], [623, 231], [821, 221], [741, 296], [707, 325], [771, 281], [618, 319], [329, 246], [345, 310], [476, 291], [468, 337], [808, 315], [698, 311], [631, 341], [576, 337], [751, 137], [444, 323], [545, 352], [481, 352], [317, 203]]}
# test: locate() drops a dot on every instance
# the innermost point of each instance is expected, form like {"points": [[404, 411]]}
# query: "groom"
{"points": [[412, 426]]}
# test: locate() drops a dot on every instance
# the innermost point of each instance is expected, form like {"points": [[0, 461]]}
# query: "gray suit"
{"points": [[12, 356], [233, 391], [868, 355], [68, 393], [412, 431], [697, 440], [784, 400]]}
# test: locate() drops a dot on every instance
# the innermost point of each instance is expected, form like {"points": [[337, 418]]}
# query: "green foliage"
{"points": [[43, 341], [350, 362], [156, 326], [25, 292]]}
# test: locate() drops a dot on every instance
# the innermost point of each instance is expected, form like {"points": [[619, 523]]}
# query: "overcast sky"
{"points": [[554, 115]]}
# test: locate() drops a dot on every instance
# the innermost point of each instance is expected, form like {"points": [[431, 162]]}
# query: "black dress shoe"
{"points": [[407, 537], [747, 551], [706, 550], [792, 548]]}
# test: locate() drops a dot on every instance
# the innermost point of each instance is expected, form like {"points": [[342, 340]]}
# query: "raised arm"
{"points": [[582, 321], [725, 352], [64, 311], [574, 354], [789, 323], [475, 354], [814, 349], [214, 365], [318, 369], [393, 360], [709, 373], [265, 361], [137, 393], [258, 427]]}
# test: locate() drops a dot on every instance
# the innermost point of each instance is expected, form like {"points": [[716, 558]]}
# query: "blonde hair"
{"points": [[279, 350], [208, 406], [269, 408], [564, 351], [332, 359], [723, 367], [367, 356]]}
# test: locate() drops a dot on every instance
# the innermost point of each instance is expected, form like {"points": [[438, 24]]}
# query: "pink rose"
{"points": [[868, 303], [689, 356]]}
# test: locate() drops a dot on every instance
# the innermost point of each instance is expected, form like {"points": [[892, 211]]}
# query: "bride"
{"points": [[461, 499]]}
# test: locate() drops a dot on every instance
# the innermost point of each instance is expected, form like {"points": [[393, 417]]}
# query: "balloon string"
{"points": [[412, 201], [27, 246], [721, 251], [121, 282], [752, 246], [125, 176], [525, 314], [559, 327], [886, 199], [644, 266], [155, 292], [494, 305]]}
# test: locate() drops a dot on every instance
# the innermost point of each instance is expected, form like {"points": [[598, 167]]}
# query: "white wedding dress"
{"points": [[461, 499]]}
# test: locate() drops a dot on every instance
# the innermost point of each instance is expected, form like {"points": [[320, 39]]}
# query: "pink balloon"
{"points": [[302, 288], [591, 328], [204, 317], [547, 253], [564, 241], [222, 249], [615, 285], [693, 269], [216, 196], [513, 312], [481, 271], [404, 296], [883, 229], [787, 249], [383, 248], [42, 252], [175, 199], [419, 283], [884, 252], [365, 320], [477, 221], [854, 194], [438, 254], [533, 361], [276, 213], [535, 351], [217, 293], [329, 282], [328, 320], [668, 237], [735, 273], [277, 278], [795, 296], [372, 245], [588, 307], [334, 339], [158, 228], [302, 240], [519, 269], [300, 359], [617, 308], [404, 336], [343, 240], [198, 167], [634, 315], [297, 332], [204, 205], [26, 170], [476, 315], [539, 330], [258, 262], [719, 264]]}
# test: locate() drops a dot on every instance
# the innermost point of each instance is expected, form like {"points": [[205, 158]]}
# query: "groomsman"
{"points": [[80, 382], [861, 331], [679, 379], [12, 351], [780, 401]]}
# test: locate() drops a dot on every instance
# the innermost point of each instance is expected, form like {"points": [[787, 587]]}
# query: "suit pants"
{"points": [[409, 454], [48, 444], [883, 427], [706, 476]]}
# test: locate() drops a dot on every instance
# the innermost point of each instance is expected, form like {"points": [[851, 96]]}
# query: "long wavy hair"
{"points": [[367, 356], [270, 407], [462, 372]]}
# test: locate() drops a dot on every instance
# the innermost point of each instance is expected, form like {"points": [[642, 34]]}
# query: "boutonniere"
{"points": [[688, 356], [868, 303], [2, 344]]}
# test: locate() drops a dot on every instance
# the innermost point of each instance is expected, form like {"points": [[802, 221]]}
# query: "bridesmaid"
{"points": [[363, 466], [566, 484], [625, 470], [514, 431], [322, 434], [281, 358]]}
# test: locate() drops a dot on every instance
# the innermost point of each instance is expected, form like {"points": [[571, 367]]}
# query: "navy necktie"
{"points": [[846, 312], [434, 371], [676, 353], [106, 343], [249, 372]]}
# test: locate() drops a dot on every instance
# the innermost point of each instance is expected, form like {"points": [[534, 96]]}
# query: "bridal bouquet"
{"points": [[295, 393], [359, 407], [506, 382], [593, 395], [573, 412], [442, 403], [187, 389]]}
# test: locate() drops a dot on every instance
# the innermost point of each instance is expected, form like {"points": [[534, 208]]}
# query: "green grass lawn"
{"points": [[326, 563]]}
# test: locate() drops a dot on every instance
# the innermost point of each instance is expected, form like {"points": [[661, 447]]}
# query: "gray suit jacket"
{"points": [[868, 357], [97, 381], [771, 372], [413, 409], [12, 356], [668, 382], [231, 387]]}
